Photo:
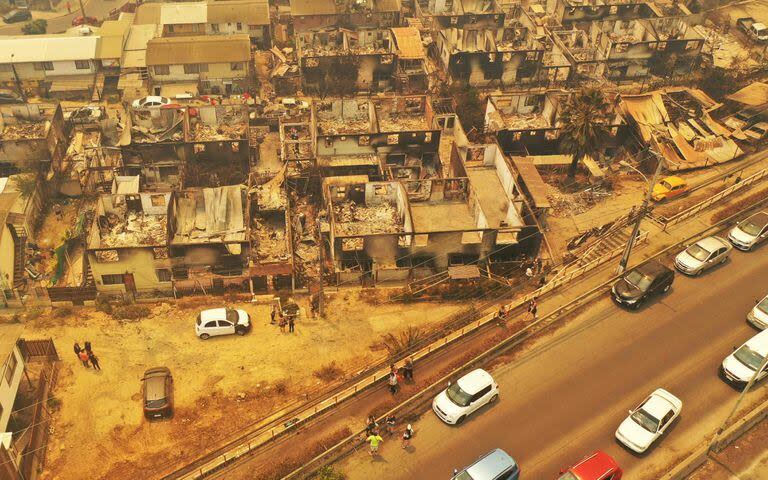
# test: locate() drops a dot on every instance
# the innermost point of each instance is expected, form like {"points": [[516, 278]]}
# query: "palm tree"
{"points": [[25, 184], [584, 120]]}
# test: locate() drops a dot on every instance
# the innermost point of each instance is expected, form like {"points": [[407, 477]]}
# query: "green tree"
{"points": [[585, 118], [25, 184], [35, 27]]}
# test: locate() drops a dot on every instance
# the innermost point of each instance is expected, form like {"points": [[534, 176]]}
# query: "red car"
{"points": [[598, 466], [78, 21]]}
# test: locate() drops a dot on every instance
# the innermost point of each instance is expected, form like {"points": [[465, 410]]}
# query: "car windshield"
{"points": [[763, 305], [666, 185], [638, 280], [463, 476], [645, 420], [160, 402], [750, 358], [697, 252], [232, 315], [458, 396], [567, 476], [750, 227]]}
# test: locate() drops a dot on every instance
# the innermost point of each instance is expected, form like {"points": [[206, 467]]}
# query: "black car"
{"points": [[636, 285], [9, 96], [158, 393], [17, 15]]}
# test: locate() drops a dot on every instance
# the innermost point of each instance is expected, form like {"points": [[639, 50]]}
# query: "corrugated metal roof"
{"points": [[408, 40], [54, 48], [249, 12], [183, 13], [754, 94], [199, 49], [535, 185]]}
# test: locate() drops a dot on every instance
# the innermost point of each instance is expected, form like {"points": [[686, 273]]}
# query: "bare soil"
{"points": [[221, 385]]}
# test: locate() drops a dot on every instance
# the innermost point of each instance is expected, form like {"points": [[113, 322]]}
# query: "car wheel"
{"points": [[240, 331], [493, 399], [204, 336], [461, 419]]}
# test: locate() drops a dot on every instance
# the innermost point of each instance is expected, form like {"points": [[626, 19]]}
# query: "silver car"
{"points": [[704, 254]]}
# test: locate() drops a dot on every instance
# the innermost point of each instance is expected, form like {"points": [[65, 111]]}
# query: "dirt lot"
{"points": [[221, 385]]}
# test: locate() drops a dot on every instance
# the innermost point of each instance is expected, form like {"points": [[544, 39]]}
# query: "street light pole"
{"points": [[716, 439], [82, 9], [643, 210], [321, 244]]}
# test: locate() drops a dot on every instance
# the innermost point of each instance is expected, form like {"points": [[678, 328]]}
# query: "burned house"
{"points": [[308, 15], [344, 131], [33, 137], [400, 230], [156, 148], [677, 124], [478, 44], [568, 12], [208, 64], [209, 239], [343, 60], [127, 245], [218, 151], [410, 74], [627, 50], [297, 139]]}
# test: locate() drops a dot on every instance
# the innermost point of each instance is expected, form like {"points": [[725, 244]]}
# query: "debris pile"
{"points": [[209, 133], [270, 241], [305, 245], [132, 229], [517, 121], [25, 131], [565, 204], [81, 153], [354, 219], [402, 122]]}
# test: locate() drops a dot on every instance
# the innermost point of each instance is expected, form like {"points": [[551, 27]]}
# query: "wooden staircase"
{"points": [[19, 234]]}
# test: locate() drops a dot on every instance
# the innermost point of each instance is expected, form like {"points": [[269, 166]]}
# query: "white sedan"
{"points": [[759, 315], [467, 395], [702, 255], [222, 321], [151, 101], [649, 420]]}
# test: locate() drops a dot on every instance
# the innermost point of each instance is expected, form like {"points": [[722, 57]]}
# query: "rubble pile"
{"points": [[154, 135], [209, 133], [81, 153], [402, 122], [354, 219], [343, 126], [24, 131], [564, 204], [270, 241], [133, 229], [305, 246], [516, 121]]}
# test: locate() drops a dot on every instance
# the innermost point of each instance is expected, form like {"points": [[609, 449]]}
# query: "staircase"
{"points": [[604, 246], [19, 234]]}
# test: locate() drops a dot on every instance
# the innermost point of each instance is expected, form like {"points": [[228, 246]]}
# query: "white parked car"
{"points": [[222, 321], [750, 232], [470, 392], [702, 255], [151, 101], [758, 316], [741, 365], [649, 420]]}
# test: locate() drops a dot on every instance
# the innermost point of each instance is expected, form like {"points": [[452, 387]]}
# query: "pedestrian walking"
{"points": [[408, 369], [407, 436], [291, 323], [529, 273], [88, 348], [374, 440], [69, 7], [390, 422], [283, 323], [370, 426], [273, 314], [537, 265], [533, 308], [83, 355], [94, 361], [542, 281], [392, 383], [77, 350]]}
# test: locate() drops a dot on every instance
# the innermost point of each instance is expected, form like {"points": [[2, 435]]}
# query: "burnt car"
{"points": [[640, 283]]}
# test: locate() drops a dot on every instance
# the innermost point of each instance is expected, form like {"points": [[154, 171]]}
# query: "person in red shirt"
{"points": [[83, 358]]}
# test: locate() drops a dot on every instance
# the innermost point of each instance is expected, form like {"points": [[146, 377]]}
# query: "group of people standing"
{"points": [[398, 376], [87, 356], [284, 320], [374, 438]]}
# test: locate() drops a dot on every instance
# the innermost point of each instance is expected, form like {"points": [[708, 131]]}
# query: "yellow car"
{"points": [[668, 188]]}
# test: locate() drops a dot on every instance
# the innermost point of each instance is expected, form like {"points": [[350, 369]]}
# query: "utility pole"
{"points": [[321, 245], [18, 81], [713, 445], [643, 211], [82, 9]]}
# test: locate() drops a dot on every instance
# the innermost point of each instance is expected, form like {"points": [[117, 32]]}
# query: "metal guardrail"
{"points": [[677, 218], [511, 341]]}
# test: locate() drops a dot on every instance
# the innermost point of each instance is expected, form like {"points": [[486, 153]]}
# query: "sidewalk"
{"points": [[745, 459]]}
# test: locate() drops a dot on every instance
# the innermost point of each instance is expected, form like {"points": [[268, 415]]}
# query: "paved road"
{"points": [[563, 400], [61, 22]]}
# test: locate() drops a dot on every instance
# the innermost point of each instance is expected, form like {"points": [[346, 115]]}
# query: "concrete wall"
{"points": [[7, 250], [215, 71], [138, 261], [8, 389]]}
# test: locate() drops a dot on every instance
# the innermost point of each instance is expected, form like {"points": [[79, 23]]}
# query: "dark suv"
{"points": [[636, 285], [17, 15], [158, 393]]}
